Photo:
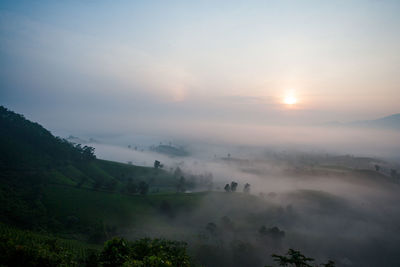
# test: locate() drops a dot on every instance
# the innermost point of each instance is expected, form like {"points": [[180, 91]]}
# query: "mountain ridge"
{"points": [[388, 122]]}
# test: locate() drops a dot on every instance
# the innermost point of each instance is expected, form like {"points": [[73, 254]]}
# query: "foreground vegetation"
{"points": [[26, 248]]}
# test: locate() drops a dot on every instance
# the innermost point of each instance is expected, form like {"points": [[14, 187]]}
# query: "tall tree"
{"points": [[227, 188], [246, 188], [234, 186]]}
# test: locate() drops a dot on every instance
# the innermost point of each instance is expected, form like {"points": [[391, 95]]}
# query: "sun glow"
{"points": [[290, 99]]}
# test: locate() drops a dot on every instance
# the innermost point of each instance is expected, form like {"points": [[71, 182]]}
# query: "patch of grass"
{"points": [[91, 207], [21, 246]]}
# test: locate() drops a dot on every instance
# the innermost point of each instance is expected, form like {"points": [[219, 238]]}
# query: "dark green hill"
{"points": [[27, 145], [32, 160]]}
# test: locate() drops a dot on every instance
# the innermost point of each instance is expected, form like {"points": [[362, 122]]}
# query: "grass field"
{"points": [[90, 207], [28, 239]]}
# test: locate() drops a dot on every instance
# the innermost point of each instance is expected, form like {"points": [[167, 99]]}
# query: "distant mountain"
{"points": [[389, 122]]}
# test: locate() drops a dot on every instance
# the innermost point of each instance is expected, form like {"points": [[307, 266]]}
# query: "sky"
{"points": [[98, 65]]}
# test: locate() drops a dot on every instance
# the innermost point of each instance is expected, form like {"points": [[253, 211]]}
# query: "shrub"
{"points": [[144, 252]]}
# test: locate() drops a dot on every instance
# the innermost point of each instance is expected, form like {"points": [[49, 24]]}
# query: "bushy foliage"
{"points": [[144, 252], [115, 253], [25, 248], [40, 254], [297, 259]]}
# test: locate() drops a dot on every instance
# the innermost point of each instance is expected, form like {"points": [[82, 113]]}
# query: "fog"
{"points": [[317, 184], [219, 139]]}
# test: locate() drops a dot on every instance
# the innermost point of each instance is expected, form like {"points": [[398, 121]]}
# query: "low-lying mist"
{"points": [[223, 138], [316, 190]]}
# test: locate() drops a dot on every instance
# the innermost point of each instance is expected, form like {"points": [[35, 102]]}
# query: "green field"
{"points": [[91, 207]]}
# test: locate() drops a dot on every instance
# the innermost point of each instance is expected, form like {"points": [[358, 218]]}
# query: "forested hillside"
{"points": [[32, 160]]}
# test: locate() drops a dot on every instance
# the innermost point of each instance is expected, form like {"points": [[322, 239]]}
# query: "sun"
{"points": [[290, 100]]}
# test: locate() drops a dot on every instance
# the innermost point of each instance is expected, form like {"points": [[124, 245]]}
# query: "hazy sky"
{"points": [[70, 64]]}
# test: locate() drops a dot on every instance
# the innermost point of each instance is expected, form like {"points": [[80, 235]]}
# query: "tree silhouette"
{"points": [[227, 188], [211, 228], [296, 259], [157, 164], [233, 186], [246, 188]]}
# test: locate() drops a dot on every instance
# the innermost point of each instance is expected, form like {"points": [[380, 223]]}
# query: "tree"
{"points": [[211, 228], [144, 252], [246, 188], [227, 188], [88, 153], [158, 164], [273, 232], [143, 188], [296, 259], [233, 186], [115, 253]]}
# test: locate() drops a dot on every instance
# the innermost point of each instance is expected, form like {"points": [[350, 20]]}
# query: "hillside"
{"points": [[33, 162]]}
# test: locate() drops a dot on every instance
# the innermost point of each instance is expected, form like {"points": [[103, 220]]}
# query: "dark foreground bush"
{"points": [[144, 252], [296, 259], [26, 248], [45, 253]]}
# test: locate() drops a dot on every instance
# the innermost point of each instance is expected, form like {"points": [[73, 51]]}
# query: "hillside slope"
{"points": [[32, 160]]}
